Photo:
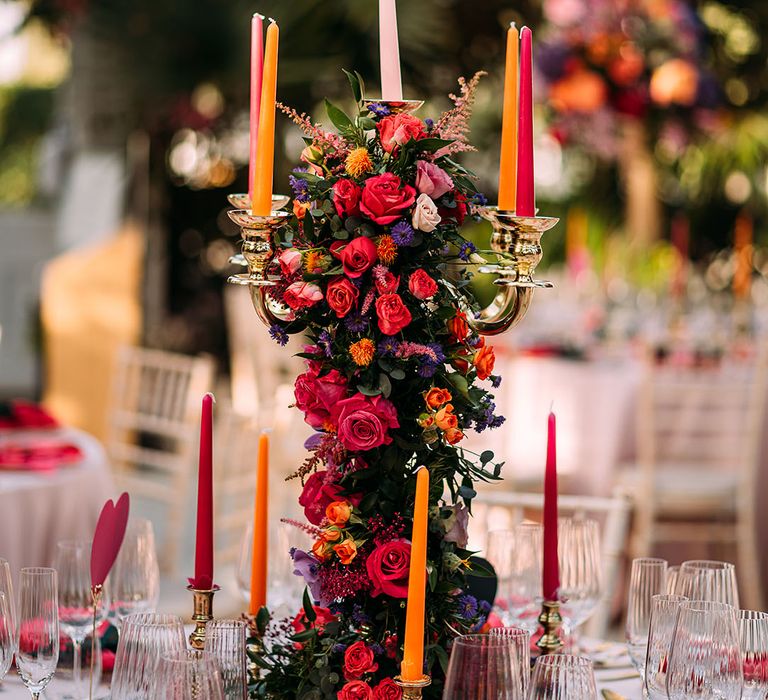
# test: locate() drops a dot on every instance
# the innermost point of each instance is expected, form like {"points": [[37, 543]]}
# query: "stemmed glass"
{"points": [[225, 641], [524, 586], [7, 634], [6, 587], [135, 578], [663, 618], [708, 580], [647, 579], [521, 643], [753, 641], [580, 574], [563, 677], [76, 609], [38, 645], [482, 667], [187, 675], [500, 546], [705, 660], [673, 572]]}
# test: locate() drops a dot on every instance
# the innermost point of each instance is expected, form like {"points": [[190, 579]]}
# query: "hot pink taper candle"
{"points": [[551, 565], [204, 535], [526, 201], [257, 66], [389, 52]]}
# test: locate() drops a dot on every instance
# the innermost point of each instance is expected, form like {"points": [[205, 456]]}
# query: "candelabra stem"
{"points": [[202, 614], [412, 689], [551, 621]]}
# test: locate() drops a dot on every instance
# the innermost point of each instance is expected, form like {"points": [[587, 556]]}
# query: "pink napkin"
{"points": [[108, 538], [38, 455]]}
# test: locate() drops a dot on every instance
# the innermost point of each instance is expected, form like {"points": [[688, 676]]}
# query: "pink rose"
{"points": [[317, 495], [384, 198], [357, 256], [421, 285], [316, 395], [431, 179], [290, 262], [393, 314], [398, 130], [388, 567], [364, 422], [387, 690], [341, 295], [358, 660], [355, 690], [346, 197], [301, 295]]}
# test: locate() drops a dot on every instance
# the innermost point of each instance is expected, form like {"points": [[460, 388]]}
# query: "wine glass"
{"points": [[524, 587], [7, 636], [76, 608], [6, 587], [135, 579], [705, 660], [521, 643], [647, 579], [225, 641], [500, 545], [482, 667], [702, 579], [563, 677], [753, 641], [673, 573], [144, 638], [580, 574], [661, 628], [38, 645], [186, 675]]}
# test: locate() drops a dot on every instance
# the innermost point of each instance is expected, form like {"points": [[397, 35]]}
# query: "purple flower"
{"points": [[324, 342], [467, 606], [480, 199], [306, 566], [467, 248], [313, 441], [378, 109], [388, 346], [278, 334], [429, 123], [402, 233], [426, 370], [356, 322], [300, 188], [495, 381]]}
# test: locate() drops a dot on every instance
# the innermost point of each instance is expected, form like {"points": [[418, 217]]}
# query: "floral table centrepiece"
{"points": [[395, 377]]}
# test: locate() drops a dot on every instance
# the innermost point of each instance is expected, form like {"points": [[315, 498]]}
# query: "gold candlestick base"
{"points": [[551, 621], [203, 612], [412, 689]]}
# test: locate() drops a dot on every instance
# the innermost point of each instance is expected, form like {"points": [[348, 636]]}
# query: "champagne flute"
{"points": [[38, 646], [647, 579], [6, 587], [135, 578], [663, 617], [753, 641], [563, 677], [705, 660], [524, 585], [482, 667], [580, 573], [7, 634], [76, 608]]}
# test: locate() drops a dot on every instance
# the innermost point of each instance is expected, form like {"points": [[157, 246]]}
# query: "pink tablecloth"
{"points": [[39, 508]]}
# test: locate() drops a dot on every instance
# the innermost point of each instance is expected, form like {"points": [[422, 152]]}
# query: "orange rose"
{"points": [[453, 435], [320, 550], [338, 512], [330, 534], [436, 397], [484, 361], [458, 326], [346, 551], [300, 209], [445, 419]]}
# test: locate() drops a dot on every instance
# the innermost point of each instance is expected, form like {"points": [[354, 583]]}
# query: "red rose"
{"points": [[398, 130], [355, 690], [302, 295], [358, 660], [364, 422], [346, 197], [388, 567], [421, 285], [341, 295], [316, 395], [357, 256], [384, 198], [458, 326], [386, 282], [393, 314], [317, 495], [459, 212], [387, 690], [324, 616]]}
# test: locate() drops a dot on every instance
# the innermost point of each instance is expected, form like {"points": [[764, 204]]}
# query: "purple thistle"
{"points": [[402, 233], [467, 248], [378, 109], [278, 334]]}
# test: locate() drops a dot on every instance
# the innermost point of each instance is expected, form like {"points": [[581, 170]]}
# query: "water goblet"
{"points": [[482, 667], [753, 642], [524, 588], [563, 677], [500, 546], [580, 572], [647, 579], [521, 643], [661, 628], [702, 579], [225, 641], [705, 660], [186, 675], [38, 643]]}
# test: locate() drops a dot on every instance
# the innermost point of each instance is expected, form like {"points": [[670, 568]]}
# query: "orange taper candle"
{"points": [[259, 546], [412, 668], [265, 148], [508, 160], [743, 233]]}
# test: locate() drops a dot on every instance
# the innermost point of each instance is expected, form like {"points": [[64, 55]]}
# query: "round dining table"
{"points": [[38, 508]]}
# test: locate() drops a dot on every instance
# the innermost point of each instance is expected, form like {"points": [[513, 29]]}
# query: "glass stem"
{"points": [[77, 664]]}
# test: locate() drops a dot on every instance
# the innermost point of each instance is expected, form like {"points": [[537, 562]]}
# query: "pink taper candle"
{"points": [[204, 539], [389, 52], [257, 66], [525, 203], [551, 569]]}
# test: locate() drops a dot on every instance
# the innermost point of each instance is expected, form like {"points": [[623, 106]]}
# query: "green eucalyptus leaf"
{"points": [[385, 385], [432, 144], [486, 456], [368, 391], [340, 120], [397, 374], [309, 611], [354, 82]]}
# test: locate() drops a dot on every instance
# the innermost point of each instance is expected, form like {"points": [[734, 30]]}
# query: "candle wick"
{"points": [[512, 24], [272, 21], [266, 431], [213, 398], [259, 15], [552, 406]]}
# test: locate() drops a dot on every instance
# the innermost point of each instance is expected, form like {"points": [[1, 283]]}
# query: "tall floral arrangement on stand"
{"points": [[395, 378]]}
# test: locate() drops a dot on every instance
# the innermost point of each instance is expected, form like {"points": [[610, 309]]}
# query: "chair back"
{"points": [[494, 510]]}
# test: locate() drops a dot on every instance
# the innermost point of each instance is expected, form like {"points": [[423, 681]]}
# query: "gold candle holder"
{"points": [[203, 612], [412, 689], [243, 200], [551, 621]]}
